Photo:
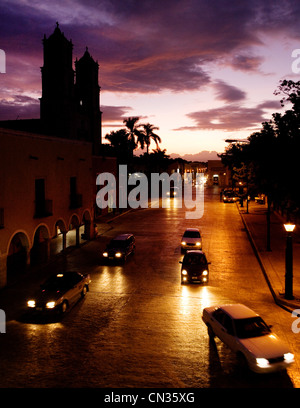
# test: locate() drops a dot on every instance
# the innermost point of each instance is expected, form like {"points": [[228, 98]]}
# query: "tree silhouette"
{"points": [[149, 134], [135, 135]]}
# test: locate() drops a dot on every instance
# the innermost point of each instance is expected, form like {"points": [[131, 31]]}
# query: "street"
{"points": [[138, 326]]}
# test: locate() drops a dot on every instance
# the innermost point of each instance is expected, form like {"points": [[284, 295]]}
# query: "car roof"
{"points": [[194, 251], [192, 229], [238, 311], [122, 237]]}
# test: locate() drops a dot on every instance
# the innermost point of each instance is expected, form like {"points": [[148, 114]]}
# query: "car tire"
{"points": [[64, 307], [210, 332], [242, 361], [84, 291]]}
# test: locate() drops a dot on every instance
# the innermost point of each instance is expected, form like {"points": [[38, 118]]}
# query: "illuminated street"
{"points": [[138, 326]]}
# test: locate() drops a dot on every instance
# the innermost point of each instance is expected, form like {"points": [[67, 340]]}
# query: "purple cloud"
{"points": [[228, 93], [144, 46], [229, 118]]}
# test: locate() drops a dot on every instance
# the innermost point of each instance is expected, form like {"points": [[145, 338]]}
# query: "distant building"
{"points": [[217, 173], [48, 166]]}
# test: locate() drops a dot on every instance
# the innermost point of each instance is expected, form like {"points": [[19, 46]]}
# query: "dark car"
{"points": [[194, 267], [120, 247], [173, 192], [59, 291]]}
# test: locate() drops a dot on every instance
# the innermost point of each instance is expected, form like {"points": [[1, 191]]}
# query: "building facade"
{"points": [[46, 201], [217, 173], [48, 166]]}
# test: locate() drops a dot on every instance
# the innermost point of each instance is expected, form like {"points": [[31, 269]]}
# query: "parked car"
{"points": [[194, 267], [191, 239], [245, 332], [59, 291], [120, 247]]}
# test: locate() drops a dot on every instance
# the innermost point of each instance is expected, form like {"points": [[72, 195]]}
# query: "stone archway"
{"points": [[59, 240], [40, 250], [87, 226], [17, 256], [73, 237]]}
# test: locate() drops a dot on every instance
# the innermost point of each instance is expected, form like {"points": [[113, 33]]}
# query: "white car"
{"points": [[191, 239], [245, 333]]}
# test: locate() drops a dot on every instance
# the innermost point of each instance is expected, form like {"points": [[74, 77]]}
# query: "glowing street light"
{"points": [[289, 227]]}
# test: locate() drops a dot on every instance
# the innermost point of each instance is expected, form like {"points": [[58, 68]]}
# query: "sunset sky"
{"points": [[201, 70]]}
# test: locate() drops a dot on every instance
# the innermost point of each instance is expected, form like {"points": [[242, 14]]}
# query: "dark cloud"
{"points": [[144, 46], [228, 93], [114, 115], [229, 118], [246, 62], [19, 107]]}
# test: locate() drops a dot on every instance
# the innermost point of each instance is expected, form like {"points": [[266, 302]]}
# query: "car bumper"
{"points": [[194, 279], [42, 309], [189, 247], [271, 368]]}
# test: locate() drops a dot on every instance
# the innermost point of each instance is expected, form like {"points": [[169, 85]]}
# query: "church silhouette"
{"points": [[70, 102]]}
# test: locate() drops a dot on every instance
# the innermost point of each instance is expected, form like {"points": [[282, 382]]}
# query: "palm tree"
{"points": [[134, 132], [149, 134], [120, 143]]}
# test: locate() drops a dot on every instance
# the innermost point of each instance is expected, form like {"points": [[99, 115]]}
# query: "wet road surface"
{"points": [[138, 326]]}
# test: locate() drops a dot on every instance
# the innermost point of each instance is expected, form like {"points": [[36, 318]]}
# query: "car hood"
{"points": [[114, 250], [47, 295], [194, 268], [269, 346], [191, 240]]}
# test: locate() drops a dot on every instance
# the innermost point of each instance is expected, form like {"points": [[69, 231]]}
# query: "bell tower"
{"points": [[57, 101], [87, 91]]}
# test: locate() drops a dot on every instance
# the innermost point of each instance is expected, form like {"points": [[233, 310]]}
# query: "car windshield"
{"points": [[117, 243], [195, 259], [251, 327], [191, 234], [59, 282]]}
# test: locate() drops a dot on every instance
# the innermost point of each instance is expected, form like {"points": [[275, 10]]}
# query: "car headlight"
{"points": [[204, 273], [183, 243], [288, 357], [184, 272], [50, 305], [198, 243], [118, 254], [105, 254], [262, 362], [31, 303]]}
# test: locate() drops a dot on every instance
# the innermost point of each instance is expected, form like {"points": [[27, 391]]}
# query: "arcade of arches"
{"points": [[21, 254]]}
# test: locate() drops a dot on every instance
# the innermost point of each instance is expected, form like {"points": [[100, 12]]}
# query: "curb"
{"points": [[283, 303]]}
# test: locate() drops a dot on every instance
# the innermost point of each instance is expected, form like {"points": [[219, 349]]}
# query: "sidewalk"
{"points": [[272, 262]]}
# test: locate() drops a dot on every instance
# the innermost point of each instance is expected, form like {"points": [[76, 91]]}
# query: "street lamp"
{"points": [[289, 227]]}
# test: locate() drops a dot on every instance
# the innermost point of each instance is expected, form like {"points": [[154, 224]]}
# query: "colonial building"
{"points": [[217, 173], [48, 166]]}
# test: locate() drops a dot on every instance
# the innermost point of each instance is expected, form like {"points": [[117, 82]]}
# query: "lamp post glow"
{"points": [[289, 261]]}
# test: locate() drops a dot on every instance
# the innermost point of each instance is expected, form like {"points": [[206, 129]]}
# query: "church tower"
{"points": [[57, 101], [87, 91]]}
